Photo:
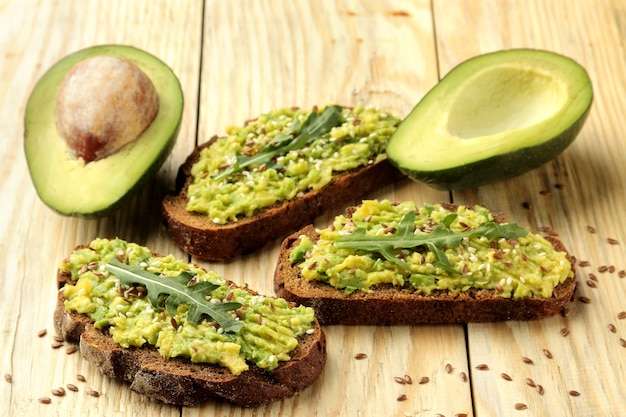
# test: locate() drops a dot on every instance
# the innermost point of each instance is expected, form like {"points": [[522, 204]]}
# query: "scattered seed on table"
{"points": [[8, 378], [547, 353], [530, 382], [593, 277], [72, 387], [81, 378], [564, 331], [621, 273], [527, 360], [401, 397], [360, 356], [59, 392], [93, 393], [45, 400], [58, 339], [449, 366], [621, 315], [399, 380], [622, 342], [603, 268], [611, 268], [612, 241], [42, 332], [463, 376], [584, 263], [574, 393], [70, 350], [482, 367], [56, 345], [527, 205], [424, 380], [584, 300], [612, 328], [544, 192], [591, 229], [539, 389], [559, 186], [506, 377], [591, 284], [520, 406], [460, 415], [408, 379]]}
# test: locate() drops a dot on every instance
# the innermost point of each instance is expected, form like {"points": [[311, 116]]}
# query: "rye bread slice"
{"points": [[392, 306], [180, 382], [197, 235]]}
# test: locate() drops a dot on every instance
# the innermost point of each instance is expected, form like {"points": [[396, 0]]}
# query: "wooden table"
{"points": [[236, 59]]}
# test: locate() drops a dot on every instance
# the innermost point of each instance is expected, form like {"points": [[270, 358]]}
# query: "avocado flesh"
{"points": [[491, 118], [75, 188]]}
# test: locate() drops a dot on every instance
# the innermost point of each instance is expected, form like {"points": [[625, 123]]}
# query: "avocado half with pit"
{"points": [[491, 118], [98, 124]]}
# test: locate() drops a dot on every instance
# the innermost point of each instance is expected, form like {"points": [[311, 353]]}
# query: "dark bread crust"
{"points": [[198, 236], [390, 306], [178, 381]]}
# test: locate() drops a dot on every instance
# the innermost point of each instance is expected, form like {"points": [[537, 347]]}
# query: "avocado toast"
{"points": [[181, 334], [275, 174], [386, 263]]}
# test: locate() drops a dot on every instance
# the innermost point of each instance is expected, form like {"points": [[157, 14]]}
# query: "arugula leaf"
{"points": [[442, 235], [298, 136], [177, 291]]}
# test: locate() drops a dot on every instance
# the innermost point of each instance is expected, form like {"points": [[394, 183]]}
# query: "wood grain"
{"points": [[236, 59]]}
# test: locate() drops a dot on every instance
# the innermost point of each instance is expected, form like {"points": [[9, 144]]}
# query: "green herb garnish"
{"points": [[175, 291], [298, 136], [442, 235]]}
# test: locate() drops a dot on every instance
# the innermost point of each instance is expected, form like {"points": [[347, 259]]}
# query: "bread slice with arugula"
{"points": [[181, 334], [275, 174], [386, 263]]}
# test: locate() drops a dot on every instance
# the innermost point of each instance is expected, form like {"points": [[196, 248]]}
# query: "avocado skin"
{"points": [[96, 189], [498, 168], [505, 165]]}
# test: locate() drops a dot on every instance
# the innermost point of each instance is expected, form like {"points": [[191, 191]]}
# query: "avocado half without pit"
{"points": [[493, 117], [98, 124]]}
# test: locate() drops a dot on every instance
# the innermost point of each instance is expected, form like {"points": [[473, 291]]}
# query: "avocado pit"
{"points": [[103, 104]]}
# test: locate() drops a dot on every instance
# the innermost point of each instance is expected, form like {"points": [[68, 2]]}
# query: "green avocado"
{"points": [[73, 186], [493, 117]]}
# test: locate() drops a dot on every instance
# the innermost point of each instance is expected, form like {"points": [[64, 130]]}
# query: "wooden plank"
{"points": [[35, 240], [578, 189], [354, 53]]}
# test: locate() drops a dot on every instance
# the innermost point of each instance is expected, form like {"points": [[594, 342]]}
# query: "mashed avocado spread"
{"points": [[438, 250], [269, 328], [355, 138]]}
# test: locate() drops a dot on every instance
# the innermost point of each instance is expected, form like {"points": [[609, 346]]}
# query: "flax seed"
{"points": [[593, 277], [482, 367], [448, 368], [611, 268], [424, 380], [506, 377], [58, 339], [8, 378], [622, 342], [564, 331], [93, 393], [463, 377], [621, 315], [56, 345], [59, 392], [530, 382], [81, 378], [72, 387], [174, 323], [591, 283], [547, 353], [399, 380], [70, 350], [612, 328], [539, 389], [42, 333], [584, 300], [408, 379], [45, 400], [460, 415], [591, 229], [527, 360], [584, 263], [360, 356], [401, 397], [520, 406], [612, 241], [526, 205], [603, 268], [621, 273], [574, 393]]}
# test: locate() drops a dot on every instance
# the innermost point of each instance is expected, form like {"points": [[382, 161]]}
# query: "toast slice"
{"points": [[178, 380], [199, 235], [386, 304]]}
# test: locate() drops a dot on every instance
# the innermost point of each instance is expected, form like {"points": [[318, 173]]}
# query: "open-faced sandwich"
{"points": [[385, 263], [274, 175], [181, 334]]}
